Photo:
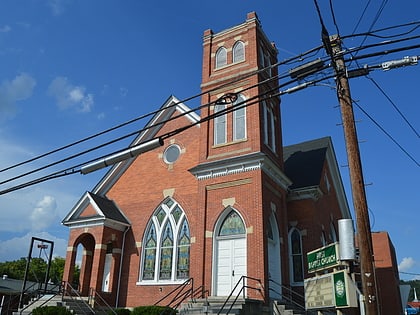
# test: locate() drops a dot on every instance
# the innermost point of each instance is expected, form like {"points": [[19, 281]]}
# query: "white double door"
{"points": [[231, 256]]}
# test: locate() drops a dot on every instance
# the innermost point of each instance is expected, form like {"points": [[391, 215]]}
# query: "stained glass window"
{"points": [[150, 255], [160, 215], [166, 250], [232, 225], [183, 264], [177, 213]]}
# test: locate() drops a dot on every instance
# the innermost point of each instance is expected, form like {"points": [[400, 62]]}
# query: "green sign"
{"points": [[323, 258], [340, 289]]}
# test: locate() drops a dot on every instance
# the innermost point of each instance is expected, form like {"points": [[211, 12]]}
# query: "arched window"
{"points": [[269, 127], [238, 51], [296, 264], [220, 125], [166, 249], [239, 119], [232, 225], [221, 57]]}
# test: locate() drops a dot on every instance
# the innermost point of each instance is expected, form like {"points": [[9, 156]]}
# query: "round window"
{"points": [[171, 153]]}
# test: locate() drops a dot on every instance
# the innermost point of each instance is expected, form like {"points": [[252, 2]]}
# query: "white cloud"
{"points": [[406, 264], [56, 6], [44, 214], [5, 29], [69, 96], [123, 91], [87, 103], [18, 247], [19, 89]]}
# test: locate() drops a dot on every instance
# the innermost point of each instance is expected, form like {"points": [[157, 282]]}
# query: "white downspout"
{"points": [[121, 264]]}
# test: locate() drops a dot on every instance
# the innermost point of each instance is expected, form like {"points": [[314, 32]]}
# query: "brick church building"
{"points": [[221, 198]]}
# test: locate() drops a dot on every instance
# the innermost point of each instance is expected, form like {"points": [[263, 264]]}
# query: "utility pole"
{"points": [[356, 179]]}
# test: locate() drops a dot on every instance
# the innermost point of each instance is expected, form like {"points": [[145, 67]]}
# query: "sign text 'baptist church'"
{"points": [[323, 258]]}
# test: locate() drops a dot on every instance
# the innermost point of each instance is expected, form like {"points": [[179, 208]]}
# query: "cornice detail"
{"points": [[241, 164], [313, 193]]}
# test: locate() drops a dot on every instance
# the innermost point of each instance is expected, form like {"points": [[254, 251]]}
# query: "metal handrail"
{"points": [[180, 289], [295, 298], [200, 292], [93, 294], [244, 286], [69, 293], [37, 293]]}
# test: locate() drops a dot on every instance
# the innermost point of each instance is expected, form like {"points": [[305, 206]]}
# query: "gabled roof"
{"points": [[109, 209], [105, 212], [171, 105], [303, 164], [304, 168]]}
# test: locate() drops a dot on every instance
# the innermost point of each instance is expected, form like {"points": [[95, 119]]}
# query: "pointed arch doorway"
{"points": [[230, 255]]}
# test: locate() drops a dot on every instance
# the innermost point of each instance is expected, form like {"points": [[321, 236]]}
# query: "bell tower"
{"points": [[241, 185], [239, 79]]}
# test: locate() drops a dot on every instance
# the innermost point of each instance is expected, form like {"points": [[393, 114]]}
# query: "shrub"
{"points": [[120, 311], [152, 310], [51, 310]]}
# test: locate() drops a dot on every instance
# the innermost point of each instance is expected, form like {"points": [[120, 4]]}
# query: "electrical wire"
{"points": [[376, 18], [352, 51], [156, 112], [76, 168], [361, 17], [394, 106], [286, 61], [386, 133], [333, 17], [372, 33]]}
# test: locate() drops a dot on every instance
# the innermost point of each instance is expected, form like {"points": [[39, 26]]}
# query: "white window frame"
{"points": [[221, 57], [238, 51], [220, 125], [239, 117], [159, 230]]}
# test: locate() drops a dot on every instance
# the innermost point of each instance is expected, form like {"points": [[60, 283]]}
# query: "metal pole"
{"points": [[356, 178], [22, 293]]}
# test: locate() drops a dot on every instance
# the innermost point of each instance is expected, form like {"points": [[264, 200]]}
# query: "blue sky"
{"points": [[70, 69]]}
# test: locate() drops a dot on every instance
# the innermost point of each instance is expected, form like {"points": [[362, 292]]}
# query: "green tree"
{"points": [[37, 269], [57, 269]]}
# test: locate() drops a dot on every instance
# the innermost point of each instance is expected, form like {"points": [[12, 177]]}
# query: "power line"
{"points": [[386, 133], [394, 105], [286, 61], [373, 33], [279, 76], [361, 16], [333, 17]]}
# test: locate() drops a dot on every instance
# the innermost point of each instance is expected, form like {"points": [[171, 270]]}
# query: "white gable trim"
{"points": [[171, 105]]}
